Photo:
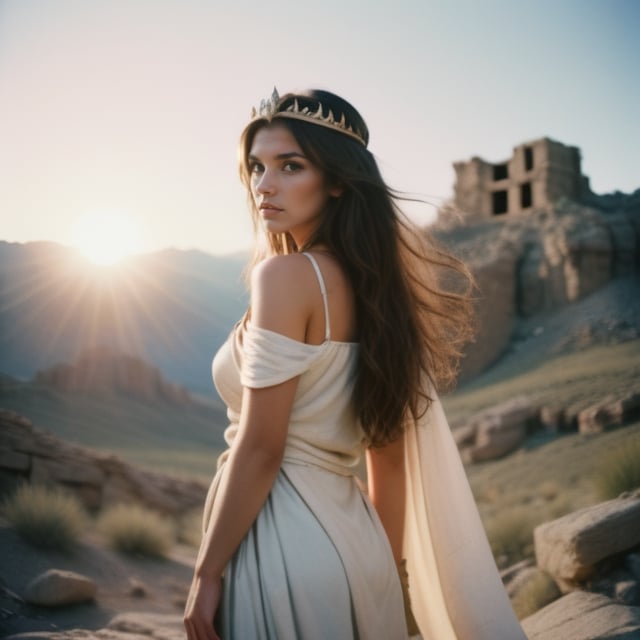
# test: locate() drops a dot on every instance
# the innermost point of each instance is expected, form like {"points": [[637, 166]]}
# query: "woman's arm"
{"points": [[256, 453], [249, 474], [387, 492]]}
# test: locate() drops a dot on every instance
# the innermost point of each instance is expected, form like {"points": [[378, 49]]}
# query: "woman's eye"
{"points": [[255, 167], [292, 166]]}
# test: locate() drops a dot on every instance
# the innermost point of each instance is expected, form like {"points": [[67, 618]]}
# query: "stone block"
{"points": [[495, 439], [570, 547]]}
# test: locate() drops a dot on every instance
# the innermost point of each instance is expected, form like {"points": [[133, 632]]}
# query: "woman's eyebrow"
{"points": [[280, 156]]}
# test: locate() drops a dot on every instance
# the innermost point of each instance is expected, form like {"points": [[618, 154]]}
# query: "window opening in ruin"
{"points": [[528, 158], [500, 202], [500, 171], [525, 195]]}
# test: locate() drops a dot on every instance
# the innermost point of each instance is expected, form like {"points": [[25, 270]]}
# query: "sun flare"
{"points": [[106, 237]]}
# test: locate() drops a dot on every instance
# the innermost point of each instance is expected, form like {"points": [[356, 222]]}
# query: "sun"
{"points": [[106, 237]]}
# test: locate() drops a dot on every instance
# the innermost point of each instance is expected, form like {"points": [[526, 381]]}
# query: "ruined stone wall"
{"points": [[537, 174], [562, 174], [470, 193]]}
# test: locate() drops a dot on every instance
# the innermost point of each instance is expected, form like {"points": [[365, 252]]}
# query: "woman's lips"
{"points": [[269, 210]]}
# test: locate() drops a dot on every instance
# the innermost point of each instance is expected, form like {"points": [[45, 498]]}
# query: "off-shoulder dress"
{"points": [[316, 564]]}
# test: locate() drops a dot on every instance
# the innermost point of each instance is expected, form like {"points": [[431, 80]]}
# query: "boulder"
{"points": [[570, 547], [55, 588], [494, 438], [499, 429], [610, 413], [583, 616], [551, 418]]}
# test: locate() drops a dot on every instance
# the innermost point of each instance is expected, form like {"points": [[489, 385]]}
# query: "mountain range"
{"points": [[172, 308]]}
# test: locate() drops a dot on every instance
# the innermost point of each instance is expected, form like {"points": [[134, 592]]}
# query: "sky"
{"points": [[132, 109]]}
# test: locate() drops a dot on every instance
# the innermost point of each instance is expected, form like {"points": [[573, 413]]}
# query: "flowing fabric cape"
{"points": [[456, 591]]}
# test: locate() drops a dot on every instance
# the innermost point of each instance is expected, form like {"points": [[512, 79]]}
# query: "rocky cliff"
{"points": [[530, 264]]}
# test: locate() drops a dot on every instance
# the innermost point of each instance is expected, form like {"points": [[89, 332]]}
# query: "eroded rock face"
{"points": [[583, 616], [96, 478], [56, 588], [544, 260], [571, 547]]}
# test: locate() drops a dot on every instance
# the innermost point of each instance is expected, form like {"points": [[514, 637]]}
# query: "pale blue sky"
{"points": [[136, 106]]}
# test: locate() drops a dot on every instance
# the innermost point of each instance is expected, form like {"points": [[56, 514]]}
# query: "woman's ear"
{"points": [[336, 191]]}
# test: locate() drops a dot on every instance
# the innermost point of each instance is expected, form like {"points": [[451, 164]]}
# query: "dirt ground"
{"points": [[164, 583]]}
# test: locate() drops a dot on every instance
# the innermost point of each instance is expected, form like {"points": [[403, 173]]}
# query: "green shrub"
{"points": [[510, 533], [619, 471], [536, 593], [46, 517], [135, 529]]}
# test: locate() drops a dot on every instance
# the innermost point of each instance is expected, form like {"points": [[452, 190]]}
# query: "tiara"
{"points": [[268, 109]]}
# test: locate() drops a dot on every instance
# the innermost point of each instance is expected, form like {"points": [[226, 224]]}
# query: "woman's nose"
{"points": [[265, 184]]}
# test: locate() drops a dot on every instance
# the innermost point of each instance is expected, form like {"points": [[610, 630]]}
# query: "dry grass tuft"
{"points": [[536, 593], [619, 471], [190, 528], [510, 534], [135, 529], [46, 517]]}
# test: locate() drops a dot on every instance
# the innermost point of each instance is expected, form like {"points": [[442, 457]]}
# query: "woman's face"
{"points": [[289, 192]]}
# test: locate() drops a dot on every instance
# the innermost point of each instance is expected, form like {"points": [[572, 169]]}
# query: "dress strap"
{"points": [[323, 290]]}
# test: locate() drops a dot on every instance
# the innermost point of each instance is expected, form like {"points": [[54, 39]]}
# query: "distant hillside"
{"points": [[105, 370], [172, 308]]}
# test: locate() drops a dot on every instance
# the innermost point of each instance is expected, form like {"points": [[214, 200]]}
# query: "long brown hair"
{"points": [[412, 298]]}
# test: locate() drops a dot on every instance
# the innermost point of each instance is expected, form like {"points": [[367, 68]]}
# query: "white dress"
{"points": [[316, 564]]}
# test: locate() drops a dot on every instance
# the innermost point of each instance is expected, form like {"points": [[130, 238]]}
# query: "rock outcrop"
{"points": [[97, 479], [107, 370]]}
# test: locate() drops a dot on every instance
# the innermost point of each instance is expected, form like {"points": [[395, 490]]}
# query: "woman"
{"points": [[347, 335]]}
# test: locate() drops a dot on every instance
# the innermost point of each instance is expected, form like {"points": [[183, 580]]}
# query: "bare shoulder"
{"points": [[280, 294], [279, 269]]}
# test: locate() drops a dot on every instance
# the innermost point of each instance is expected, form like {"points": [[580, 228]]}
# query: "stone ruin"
{"points": [[537, 174]]}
